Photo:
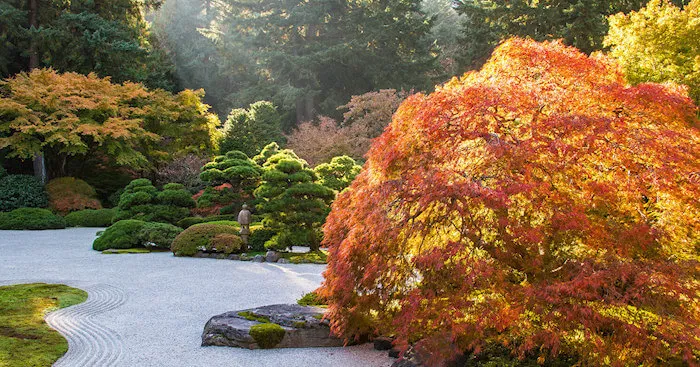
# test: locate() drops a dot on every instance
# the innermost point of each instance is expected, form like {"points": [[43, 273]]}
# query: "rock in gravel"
{"points": [[383, 343], [419, 356], [272, 256], [233, 257], [303, 326], [283, 261], [259, 259]]}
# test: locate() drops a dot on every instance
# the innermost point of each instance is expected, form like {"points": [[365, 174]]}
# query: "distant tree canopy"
{"points": [[109, 38], [307, 57], [580, 23], [659, 43], [73, 115], [251, 130]]}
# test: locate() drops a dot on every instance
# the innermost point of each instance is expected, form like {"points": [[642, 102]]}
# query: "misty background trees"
{"points": [[306, 58]]}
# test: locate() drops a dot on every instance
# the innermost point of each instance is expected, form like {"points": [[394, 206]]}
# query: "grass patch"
{"points": [[312, 257], [253, 317], [25, 339], [312, 299]]}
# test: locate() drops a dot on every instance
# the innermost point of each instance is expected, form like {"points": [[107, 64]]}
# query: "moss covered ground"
{"points": [[25, 338]]}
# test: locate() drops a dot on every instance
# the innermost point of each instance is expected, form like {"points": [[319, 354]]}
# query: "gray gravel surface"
{"points": [[150, 309]]}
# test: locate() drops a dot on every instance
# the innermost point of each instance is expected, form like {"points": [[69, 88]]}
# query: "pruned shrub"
{"points": [[226, 243], [160, 235], [121, 235], [258, 238], [231, 179], [31, 219], [21, 191], [67, 194], [142, 201], [190, 221], [90, 218], [200, 237]]}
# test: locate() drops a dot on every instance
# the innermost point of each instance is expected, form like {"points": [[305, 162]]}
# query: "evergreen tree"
{"points": [[315, 54], [293, 203], [110, 38], [581, 23], [251, 130]]}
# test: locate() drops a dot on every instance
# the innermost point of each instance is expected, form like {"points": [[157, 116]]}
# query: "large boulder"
{"points": [[275, 326]]}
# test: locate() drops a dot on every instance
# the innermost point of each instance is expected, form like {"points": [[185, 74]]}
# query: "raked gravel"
{"points": [[150, 309]]}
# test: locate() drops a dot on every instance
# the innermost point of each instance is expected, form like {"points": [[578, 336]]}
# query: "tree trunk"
{"points": [[38, 161]]}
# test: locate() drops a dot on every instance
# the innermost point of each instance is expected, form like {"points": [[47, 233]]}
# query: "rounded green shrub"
{"points": [[90, 218], [142, 201], [3, 172], [226, 243], [190, 221], [257, 239], [121, 235], [31, 219], [267, 335], [160, 235], [199, 238], [20, 191]]}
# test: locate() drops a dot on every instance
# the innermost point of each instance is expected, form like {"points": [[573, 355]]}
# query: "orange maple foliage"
{"points": [[540, 204]]}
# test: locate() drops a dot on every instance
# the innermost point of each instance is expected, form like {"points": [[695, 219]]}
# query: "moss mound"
{"points": [[90, 218], [267, 335], [25, 339], [203, 236], [31, 219]]}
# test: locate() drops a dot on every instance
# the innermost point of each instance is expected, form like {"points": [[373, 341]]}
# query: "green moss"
{"points": [[127, 251], [31, 219], [300, 324], [253, 317], [267, 335], [90, 218], [312, 257], [25, 339], [312, 299]]}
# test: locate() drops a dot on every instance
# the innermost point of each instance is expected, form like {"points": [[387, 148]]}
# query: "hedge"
{"points": [[31, 219]]}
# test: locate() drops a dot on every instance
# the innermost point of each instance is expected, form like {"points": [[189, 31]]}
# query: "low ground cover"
{"points": [[25, 339]]}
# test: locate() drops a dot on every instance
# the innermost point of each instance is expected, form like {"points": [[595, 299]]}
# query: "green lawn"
{"points": [[25, 339]]}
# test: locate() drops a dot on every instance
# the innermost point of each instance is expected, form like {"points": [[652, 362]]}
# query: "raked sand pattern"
{"points": [[149, 309], [90, 344]]}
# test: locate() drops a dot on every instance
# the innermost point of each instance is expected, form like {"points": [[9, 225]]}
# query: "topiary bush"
{"points": [[292, 202], [160, 235], [31, 219], [226, 243], [121, 235], [67, 194], [231, 179], [258, 238], [142, 201], [90, 218], [199, 237], [190, 221], [21, 191]]}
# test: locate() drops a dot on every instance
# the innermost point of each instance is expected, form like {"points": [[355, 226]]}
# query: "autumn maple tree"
{"points": [[539, 205], [72, 115]]}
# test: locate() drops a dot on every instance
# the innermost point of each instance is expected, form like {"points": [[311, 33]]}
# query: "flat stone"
{"points": [[304, 327], [233, 257], [259, 259], [272, 256]]}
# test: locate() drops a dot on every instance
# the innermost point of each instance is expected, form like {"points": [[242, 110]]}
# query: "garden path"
{"points": [[149, 309]]}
